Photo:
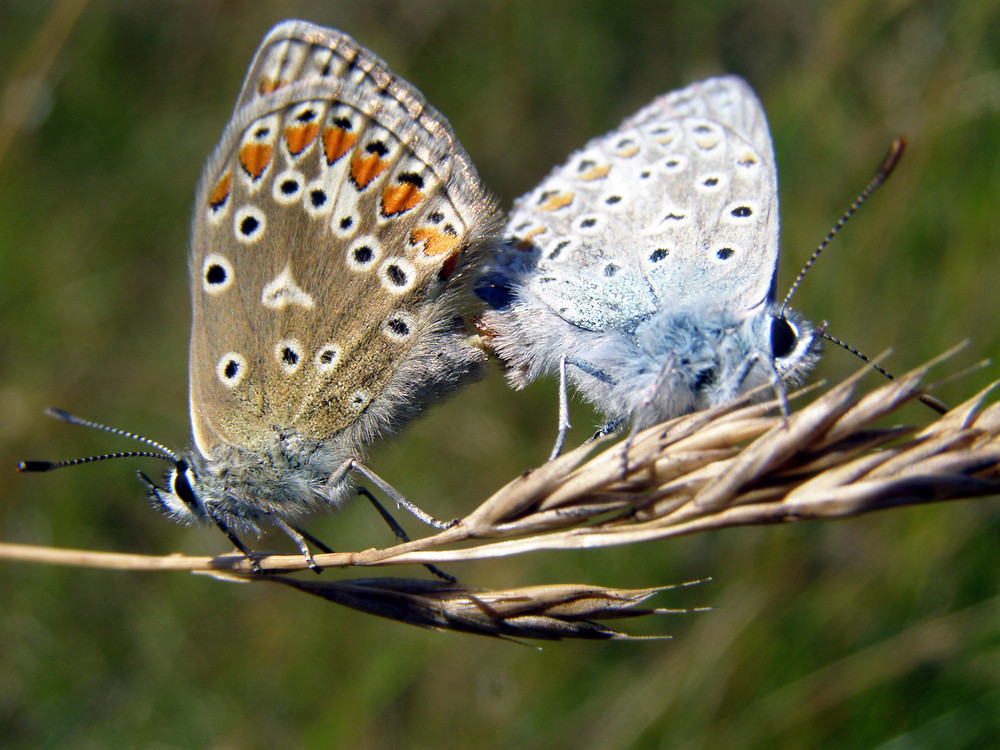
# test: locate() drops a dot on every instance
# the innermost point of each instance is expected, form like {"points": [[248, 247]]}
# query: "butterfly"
{"points": [[643, 269], [334, 226]]}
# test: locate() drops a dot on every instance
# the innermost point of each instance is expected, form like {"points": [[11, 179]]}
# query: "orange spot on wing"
{"points": [[525, 242], [557, 201], [435, 242], [267, 85], [399, 198], [707, 142], [366, 169], [336, 143], [220, 193], [595, 173], [628, 151], [254, 158], [298, 137]]}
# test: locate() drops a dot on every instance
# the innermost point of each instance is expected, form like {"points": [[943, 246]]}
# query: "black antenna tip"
{"points": [[32, 466]]}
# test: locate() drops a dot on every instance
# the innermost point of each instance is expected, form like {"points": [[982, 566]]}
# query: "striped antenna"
{"points": [[936, 404], [884, 170], [35, 466]]}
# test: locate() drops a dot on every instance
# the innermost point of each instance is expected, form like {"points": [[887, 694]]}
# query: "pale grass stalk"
{"points": [[736, 465]]}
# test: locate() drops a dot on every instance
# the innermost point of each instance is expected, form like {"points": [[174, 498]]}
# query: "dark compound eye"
{"points": [[783, 338]]}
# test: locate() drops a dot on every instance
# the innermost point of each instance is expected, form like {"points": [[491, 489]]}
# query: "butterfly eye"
{"points": [[783, 338], [183, 479]]}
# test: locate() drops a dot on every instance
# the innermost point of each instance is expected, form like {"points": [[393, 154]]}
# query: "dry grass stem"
{"points": [[552, 612], [736, 465]]}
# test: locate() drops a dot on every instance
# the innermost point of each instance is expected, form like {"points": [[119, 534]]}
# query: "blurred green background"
{"points": [[882, 631]]}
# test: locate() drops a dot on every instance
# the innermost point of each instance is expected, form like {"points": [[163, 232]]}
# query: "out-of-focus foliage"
{"points": [[879, 629]]}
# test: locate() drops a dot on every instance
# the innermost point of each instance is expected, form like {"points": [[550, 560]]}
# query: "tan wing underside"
{"points": [[341, 215]]}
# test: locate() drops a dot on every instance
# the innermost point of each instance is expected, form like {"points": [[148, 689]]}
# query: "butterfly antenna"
{"points": [[884, 170], [937, 405], [34, 466]]}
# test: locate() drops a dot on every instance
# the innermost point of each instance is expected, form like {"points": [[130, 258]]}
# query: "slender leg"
{"points": [[779, 390], [299, 538], [564, 424], [626, 447], [254, 564], [393, 494], [313, 540], [400, 533]]}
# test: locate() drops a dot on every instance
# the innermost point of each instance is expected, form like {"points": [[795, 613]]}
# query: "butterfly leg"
{"points": [[300, 539], [564, 424], [395, 495], [401, 535], [313, 540], [248, 553], [779, 390], [626, 447]]}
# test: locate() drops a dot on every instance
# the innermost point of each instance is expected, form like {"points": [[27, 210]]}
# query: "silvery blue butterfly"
{"points": [[333, 228], [643, 269]]}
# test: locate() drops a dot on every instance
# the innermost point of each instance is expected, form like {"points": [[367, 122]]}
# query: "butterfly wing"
{"points": [[330, 226], [676, 209]]}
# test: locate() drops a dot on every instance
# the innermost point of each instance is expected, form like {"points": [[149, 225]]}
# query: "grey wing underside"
{"points": [[676, 209]]}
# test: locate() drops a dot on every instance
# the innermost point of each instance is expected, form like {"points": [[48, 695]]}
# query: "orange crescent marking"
{"points": [[556, 202], [267, 85], [364, 170], [254, 157], [437, 243], [707, 142], [298, 137], [336, 143], [525, 243], [595, 173], [399, 198], [628, 152], [221, 192]]}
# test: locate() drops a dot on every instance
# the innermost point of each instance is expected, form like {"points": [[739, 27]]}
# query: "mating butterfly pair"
{"points": [[339, 225]]}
